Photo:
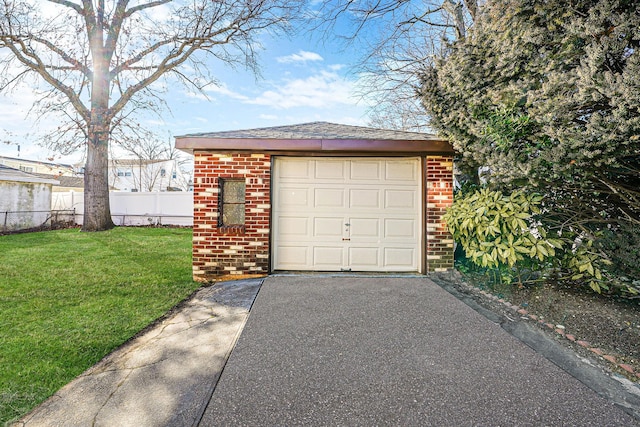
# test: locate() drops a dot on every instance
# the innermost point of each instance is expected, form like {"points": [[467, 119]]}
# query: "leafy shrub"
{"points": [[622, 245], [497, 231], [494, 228]]}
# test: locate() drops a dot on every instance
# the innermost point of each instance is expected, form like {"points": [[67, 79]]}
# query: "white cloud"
{"points": [[160, 14], [222, 89], [16, 120], [324, 90], [301, 56], [196, 95], [212, 90], [156, 123], [268, 116]]}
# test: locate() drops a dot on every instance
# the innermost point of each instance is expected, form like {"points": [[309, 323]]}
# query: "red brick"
{"points": [[436, 174], [626, 367], [208, 168]]}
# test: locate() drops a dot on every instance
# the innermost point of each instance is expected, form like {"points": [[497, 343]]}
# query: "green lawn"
{"points": [[68, 298]]}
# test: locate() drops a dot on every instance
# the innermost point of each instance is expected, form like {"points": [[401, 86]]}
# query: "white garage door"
{"points": [[336, 214]]}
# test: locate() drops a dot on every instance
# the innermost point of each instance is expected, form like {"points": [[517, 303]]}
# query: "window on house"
{"points": [[163, 172], [127, 173], [26, 168], [232, 207], [174, 175]]}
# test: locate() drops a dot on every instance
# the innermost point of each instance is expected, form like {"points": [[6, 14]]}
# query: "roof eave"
{"points": [[431, 146], [28, 180]]}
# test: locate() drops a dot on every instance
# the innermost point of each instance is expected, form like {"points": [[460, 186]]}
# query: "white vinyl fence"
{"points": [[156, 208]]}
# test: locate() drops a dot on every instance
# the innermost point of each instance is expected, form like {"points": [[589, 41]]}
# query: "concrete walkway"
{"points": [[164, 377], [320, 350]]}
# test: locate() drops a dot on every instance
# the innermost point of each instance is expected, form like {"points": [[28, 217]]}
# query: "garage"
{"points": [[336, 214], [321, 197]]}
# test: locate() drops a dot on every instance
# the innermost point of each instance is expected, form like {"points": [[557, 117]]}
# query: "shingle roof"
{"points": [[135, 162], [315, 137], [318, 130], [64, 181]]}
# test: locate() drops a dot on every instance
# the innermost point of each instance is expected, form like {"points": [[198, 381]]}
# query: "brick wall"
{"points": [[439, 170], [237, 250]]}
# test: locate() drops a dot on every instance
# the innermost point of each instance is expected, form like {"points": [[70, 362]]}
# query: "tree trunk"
{"points": [[97, 211], [457, 14]]}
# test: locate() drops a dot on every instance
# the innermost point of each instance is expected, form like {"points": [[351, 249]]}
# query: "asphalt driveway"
{"points": [[389, 351]]}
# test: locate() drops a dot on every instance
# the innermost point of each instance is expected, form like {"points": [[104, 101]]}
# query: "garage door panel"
{"points": [[328, 257], [293, 196], [361, 198], [369, 170], [298, 169], [399, 257], [328, 227], [329, 198], [400, 229], [367, 228], [294, 257], [400, 199], [294, 227], [361, 258], [332, 170], [401, 170]]}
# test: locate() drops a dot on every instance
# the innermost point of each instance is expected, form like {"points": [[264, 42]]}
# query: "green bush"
{"points": [[498, 231], [622, 245]]}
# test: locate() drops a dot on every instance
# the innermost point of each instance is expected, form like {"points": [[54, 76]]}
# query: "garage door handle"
{"points": [[343, 239]]}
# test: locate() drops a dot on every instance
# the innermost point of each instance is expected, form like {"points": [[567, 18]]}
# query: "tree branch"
{"points": [[140, 7], [75, 64], [33, 62], [69, 4]]}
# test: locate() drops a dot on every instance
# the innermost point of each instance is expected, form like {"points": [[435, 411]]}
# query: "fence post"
{"points": [[4, 227]]}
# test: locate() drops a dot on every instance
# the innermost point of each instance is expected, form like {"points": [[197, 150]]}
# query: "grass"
{"points": [[69, 298]]}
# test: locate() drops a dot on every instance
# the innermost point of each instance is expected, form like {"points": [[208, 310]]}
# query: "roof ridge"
{"points": [[316, 130]]}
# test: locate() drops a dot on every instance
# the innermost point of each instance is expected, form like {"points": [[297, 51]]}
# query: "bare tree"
{"points": [[154, 163], [400, 38], [103, 60]]}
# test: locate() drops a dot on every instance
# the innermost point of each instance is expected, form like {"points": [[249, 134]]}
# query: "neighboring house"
{"points": [[319, 197], [39, 167], [146, 175], [25, 199]]}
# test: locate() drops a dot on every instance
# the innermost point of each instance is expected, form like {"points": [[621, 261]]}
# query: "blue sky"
{"points": [[303, 79]]}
